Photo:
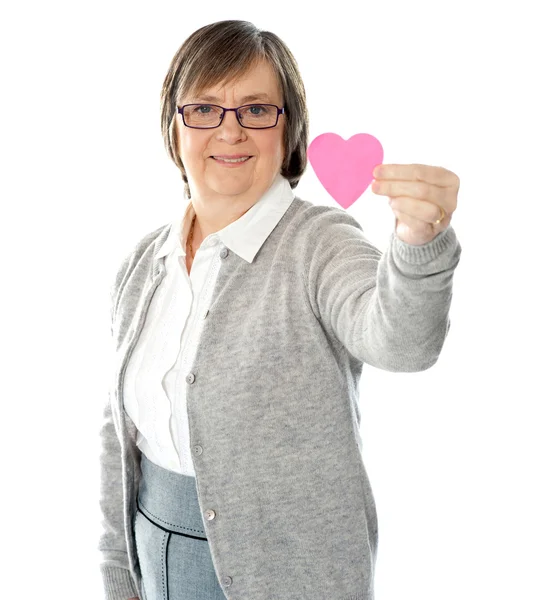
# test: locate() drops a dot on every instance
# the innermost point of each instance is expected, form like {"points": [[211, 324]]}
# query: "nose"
{"points": [[230, 129], [231, 117]]}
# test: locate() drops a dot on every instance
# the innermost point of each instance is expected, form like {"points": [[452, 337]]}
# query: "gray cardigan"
{"points": [[273, 401]]}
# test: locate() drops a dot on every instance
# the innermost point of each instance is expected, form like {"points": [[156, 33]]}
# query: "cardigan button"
{"points": [[210, 514], [190, 378], [198, 450], [226, 580], [223, 253]]}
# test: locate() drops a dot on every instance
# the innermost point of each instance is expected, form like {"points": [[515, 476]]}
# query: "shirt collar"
{"points": [[246, 235]]}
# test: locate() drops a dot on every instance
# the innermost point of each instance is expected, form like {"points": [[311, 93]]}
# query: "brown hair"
{"points": [[221, 52]]}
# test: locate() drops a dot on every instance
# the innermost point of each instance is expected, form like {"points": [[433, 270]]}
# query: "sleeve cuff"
{"points": [[118, 583], [420, 255]]}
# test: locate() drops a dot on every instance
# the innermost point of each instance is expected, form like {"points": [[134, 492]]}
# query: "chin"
{"points": [[227, 186]]}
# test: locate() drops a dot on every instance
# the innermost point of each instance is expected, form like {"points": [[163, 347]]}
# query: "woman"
{"points": [[231, 459]]}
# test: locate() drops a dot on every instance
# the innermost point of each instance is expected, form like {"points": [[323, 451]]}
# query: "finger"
{"points": [[416, 209], [438, 176], [416, 225], [413, 189]]}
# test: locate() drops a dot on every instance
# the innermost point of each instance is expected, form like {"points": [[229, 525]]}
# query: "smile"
{"points": [[232, 160]]}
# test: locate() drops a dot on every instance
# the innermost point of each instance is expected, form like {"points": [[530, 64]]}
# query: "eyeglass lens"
{"points": [[209, 115]]}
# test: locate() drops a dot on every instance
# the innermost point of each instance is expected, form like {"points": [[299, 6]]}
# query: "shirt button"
{"points": [[226, 580], [224, 253], [190, 378], [206, 313], [210, 514]]}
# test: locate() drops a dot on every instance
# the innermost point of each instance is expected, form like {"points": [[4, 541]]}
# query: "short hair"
{"points": [[220, 53]]}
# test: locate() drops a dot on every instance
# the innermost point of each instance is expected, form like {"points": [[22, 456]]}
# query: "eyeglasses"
{"points": [[250, 116]]}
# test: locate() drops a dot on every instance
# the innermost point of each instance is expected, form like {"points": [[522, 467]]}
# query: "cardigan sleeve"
{"points": [[117, 580], [389, 310], [118, 583]]}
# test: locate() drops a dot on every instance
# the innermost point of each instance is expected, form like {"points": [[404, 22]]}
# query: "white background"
{"points": [[456, 454]]}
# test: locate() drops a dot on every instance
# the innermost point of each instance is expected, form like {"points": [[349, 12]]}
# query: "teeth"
{"points": [[232, 159]]}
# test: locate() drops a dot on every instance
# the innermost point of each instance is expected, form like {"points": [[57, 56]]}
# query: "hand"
{"points": [[417, 192]]}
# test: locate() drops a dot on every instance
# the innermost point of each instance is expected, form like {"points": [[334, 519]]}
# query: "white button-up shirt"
{"points": [[154, 386]]}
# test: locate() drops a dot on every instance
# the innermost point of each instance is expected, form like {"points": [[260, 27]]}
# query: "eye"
{"points": [[257, 107]]}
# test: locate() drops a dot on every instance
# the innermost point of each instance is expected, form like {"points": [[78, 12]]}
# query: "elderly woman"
{"points": [[231, 462]]}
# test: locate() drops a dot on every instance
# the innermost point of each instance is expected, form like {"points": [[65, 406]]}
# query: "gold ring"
{"points": [[441, 218]]}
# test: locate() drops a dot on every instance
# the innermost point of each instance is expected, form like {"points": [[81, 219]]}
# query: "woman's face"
{"points": [[209, 179]]}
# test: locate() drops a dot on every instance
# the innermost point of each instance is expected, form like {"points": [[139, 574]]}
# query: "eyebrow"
{"points": [[249, 98]]}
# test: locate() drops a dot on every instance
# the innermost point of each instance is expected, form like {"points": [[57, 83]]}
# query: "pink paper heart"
{"points": [[345, 168]]}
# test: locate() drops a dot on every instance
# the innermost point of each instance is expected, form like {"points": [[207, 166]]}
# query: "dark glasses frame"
{"points": [[181, 111]]}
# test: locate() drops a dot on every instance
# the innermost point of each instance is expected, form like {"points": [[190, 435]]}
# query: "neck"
{"points": [[215, 212], [192, 237]]}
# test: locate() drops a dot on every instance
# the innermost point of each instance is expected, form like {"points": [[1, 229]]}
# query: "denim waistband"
{"points": [[170, 500]]}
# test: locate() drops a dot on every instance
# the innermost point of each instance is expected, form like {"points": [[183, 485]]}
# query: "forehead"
{"points": [[258, 84]]}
